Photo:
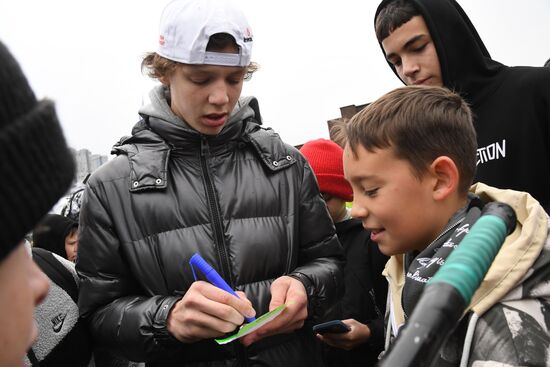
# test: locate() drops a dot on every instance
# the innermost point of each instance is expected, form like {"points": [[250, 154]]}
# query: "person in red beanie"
{"points": [[364, 302]]}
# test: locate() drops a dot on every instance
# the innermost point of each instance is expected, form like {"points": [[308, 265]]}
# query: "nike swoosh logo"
{"points": [[58, 321]]}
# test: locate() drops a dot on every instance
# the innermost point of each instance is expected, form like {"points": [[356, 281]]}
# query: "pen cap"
{"points": [[197, 261], [210, 273]]}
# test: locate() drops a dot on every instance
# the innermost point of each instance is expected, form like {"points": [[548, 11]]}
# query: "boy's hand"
{"points": [[283, 290], [359, 334], [206, 311]]}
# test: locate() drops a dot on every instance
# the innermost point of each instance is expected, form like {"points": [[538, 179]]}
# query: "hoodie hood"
{"points": [[466, 65], [175, 130], [520, 263], [50, 233]]}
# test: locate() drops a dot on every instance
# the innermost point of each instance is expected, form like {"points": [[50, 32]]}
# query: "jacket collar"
{"points": [[148, 157], [148, 153], [514, 262]]}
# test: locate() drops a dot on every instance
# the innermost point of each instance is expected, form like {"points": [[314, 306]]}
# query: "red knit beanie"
{"points": [[325, 157]]}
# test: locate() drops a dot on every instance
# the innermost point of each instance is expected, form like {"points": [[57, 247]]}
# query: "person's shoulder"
{"points": [[301, 161], [271, 147], [294, 151], [526, 85], [530, 77], [115, 169], [58, 269], [529, 71]]}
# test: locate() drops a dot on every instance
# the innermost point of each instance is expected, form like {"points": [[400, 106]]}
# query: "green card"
{"points": [[256, 324]]}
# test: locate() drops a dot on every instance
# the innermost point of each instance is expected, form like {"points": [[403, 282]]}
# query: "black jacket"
{"points": [[365, 296], [511, 105], [243, 199]]}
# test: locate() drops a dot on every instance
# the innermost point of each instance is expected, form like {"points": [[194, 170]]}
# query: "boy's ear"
{"points": [[446, 176]]}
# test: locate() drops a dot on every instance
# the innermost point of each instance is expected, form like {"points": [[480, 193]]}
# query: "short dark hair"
{"points": [[420, 123], [392, 16], [157, 67]]}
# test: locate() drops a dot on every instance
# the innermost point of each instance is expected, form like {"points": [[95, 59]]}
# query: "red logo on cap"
{"points": [[247, 35], [161, 40]]}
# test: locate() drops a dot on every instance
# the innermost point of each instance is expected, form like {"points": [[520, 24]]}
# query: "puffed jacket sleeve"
{"points": [[110, 300], [320, 256]]}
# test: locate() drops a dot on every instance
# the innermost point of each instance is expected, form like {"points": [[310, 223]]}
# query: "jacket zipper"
{"points": [[217, 226]]}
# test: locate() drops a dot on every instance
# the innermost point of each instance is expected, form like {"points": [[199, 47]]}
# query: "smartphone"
{"points": [[334, 326]]}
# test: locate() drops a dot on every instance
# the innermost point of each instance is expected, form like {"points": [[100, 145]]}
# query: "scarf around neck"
{"points": [[421, 266]]}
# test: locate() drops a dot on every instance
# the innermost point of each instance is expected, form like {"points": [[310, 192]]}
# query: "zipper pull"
{"points": [[205, 151]]}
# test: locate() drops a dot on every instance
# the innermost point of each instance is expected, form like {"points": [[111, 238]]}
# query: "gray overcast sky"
{"points": [[315, 57]]}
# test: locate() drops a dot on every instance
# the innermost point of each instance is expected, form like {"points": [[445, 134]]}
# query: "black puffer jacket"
{"points": [[245, 200]]}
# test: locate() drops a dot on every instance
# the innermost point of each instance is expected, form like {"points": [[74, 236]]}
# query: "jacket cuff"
{"points": [[161, 334], [312, 301]]}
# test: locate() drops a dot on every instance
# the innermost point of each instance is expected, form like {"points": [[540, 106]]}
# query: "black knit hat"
{"points": [[36, 167]]}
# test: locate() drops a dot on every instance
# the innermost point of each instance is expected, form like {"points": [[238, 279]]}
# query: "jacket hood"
{"points": [[466, 65], [524, 250], [514, 271]]}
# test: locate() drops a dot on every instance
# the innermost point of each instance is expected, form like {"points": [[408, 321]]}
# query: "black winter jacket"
{"points": [[245, 200]]}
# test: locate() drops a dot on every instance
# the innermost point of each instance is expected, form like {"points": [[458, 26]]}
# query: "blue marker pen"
{"points": [[213, 277]]}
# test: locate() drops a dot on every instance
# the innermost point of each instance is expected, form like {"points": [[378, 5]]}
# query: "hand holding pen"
{"points": [[207, 311], [212, 276]]}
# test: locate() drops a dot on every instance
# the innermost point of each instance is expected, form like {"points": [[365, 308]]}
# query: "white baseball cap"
{"points": [[186, 27]]}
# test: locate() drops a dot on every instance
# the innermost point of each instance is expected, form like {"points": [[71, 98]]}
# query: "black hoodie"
{"points": [[50, 233], [511, 105]]}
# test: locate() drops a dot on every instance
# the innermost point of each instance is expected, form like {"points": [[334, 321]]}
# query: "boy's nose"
{"points": [[410, 67], [358, 211], [219, 95]]}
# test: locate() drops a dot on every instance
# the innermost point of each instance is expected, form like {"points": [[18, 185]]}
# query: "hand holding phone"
{"points": [[334, 326]]}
